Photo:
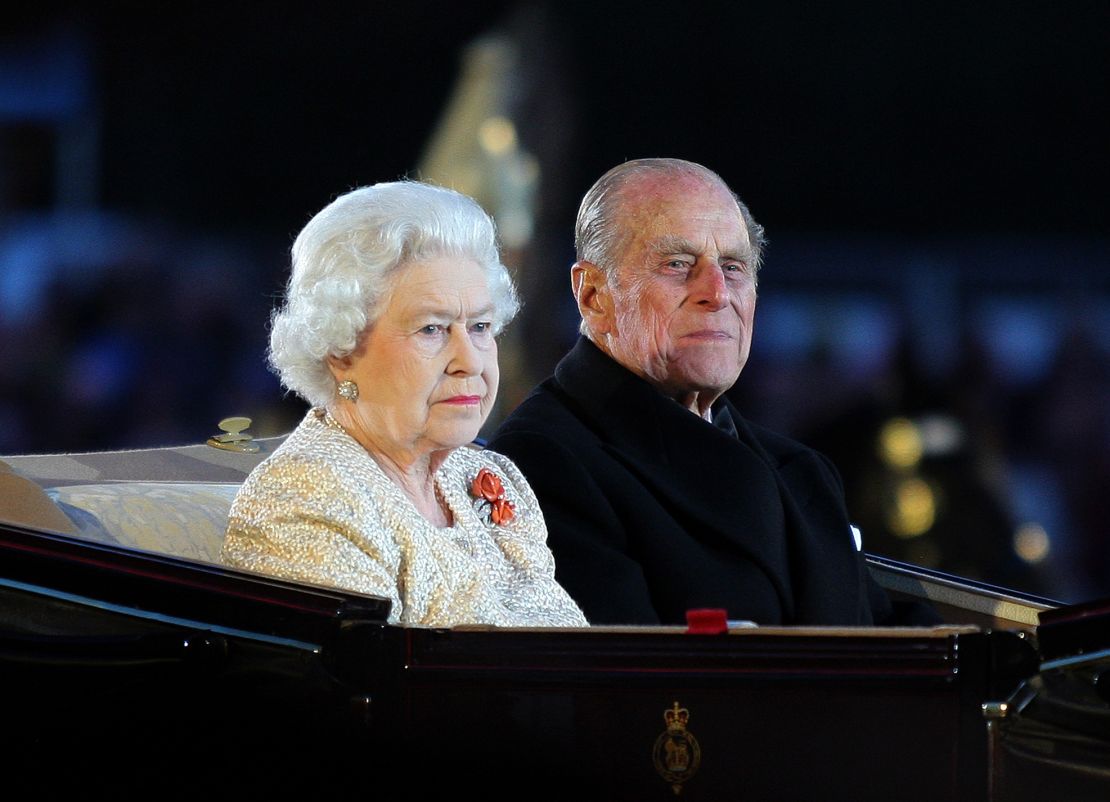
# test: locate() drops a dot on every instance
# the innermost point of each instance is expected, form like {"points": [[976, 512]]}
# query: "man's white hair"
{"points": [[596, 238]]}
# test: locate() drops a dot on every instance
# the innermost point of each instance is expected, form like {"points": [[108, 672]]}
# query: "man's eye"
{"points": [[677, 264], [735, 267]]}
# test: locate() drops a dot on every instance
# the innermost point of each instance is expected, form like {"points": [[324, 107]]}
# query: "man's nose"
{"points": [[465, 359], [708, 286]]}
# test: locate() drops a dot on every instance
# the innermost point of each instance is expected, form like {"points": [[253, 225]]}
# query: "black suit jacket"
{"points": [[652, 511]]}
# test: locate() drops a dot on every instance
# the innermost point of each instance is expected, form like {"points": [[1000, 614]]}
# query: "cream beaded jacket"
{"points": [[320, 510]]}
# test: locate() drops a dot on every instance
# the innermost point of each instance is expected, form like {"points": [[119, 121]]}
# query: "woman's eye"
{"points": [[431, 328], [482, 327]]}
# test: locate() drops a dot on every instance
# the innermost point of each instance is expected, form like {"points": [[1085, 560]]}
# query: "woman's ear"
{"points": [[590, 286], [339, 365]]}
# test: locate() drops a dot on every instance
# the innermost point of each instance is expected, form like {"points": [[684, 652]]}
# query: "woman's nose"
{"points": [[465, 358]]}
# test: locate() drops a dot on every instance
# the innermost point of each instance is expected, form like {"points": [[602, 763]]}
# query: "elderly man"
{"points": [[659, 496]]}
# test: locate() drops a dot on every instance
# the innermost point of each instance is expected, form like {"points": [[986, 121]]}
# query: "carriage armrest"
{"points": [[959, 600]]}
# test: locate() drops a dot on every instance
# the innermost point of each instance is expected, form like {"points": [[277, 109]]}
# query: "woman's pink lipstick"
{"points": [[463, 400]]}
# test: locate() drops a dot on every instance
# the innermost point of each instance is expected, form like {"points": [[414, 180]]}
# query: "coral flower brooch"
{"points": [[489, 498]]}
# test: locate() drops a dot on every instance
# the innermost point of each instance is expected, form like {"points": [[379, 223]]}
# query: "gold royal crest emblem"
{"points": [[676, 754]]}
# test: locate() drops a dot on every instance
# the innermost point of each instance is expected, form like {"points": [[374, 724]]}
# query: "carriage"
{"points": [[136, 665]]}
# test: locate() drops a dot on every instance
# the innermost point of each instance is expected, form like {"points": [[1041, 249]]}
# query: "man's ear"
{"points": [[595, 301]]}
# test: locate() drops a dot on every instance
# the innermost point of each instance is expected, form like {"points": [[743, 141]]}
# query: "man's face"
{"points": [[682, 295]]}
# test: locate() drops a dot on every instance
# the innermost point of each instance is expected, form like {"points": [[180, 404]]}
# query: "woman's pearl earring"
{"points": [[348, 389]]}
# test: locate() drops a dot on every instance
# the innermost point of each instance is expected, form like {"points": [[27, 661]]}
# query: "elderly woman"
{"points": [[388, 331]]}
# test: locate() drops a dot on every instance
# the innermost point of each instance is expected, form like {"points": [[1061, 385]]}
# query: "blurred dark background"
{"points": [[935, 302]]}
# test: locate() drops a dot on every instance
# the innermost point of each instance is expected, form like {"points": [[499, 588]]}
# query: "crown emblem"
{"points": [[676, 717], [676, 754]]}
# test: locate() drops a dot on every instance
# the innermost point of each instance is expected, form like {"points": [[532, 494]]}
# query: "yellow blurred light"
{"points": [[915, 509], [497, 135], [1031, 542], [900, 443]]}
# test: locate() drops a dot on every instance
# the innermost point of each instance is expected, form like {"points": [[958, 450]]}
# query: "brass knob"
{"points": [[233, 437]]}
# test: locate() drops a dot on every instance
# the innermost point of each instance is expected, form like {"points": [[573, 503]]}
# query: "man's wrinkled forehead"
{"points": [[651, 204]]}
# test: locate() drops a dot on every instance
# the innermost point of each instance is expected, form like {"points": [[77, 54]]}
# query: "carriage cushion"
{"points": [[184, 519]]}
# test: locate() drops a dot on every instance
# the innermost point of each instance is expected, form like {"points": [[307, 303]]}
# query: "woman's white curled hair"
{"points": [[343, 262]]}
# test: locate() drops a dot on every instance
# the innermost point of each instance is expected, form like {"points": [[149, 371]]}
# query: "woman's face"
{"points": [[426, 369]]}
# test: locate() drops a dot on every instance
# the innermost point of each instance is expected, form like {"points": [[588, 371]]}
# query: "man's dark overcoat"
{"points": [[653, 511]]}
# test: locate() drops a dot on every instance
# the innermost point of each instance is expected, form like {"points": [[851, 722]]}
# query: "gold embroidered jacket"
{"points": [[320, 510]]}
